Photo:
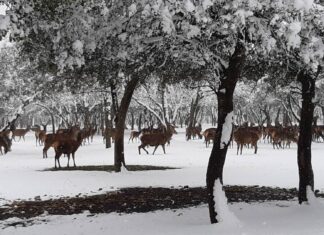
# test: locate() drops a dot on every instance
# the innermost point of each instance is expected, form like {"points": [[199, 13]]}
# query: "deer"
{"points": [[193, 132], [93, 131], [156, 139], [68, 147], [39, 133], [51, 140], [20, 133], [40, 137], [243, 136], [112, 134], [134, 135], [209, 134]]}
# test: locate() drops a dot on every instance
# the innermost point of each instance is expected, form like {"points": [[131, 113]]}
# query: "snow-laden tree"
{"points": [[162, 100], [298, 28]]}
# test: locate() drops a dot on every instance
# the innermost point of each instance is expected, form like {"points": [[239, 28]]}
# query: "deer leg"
{"points": [[57, 158], [256, 148], [73, 159], [238, 148], [68, 164], [155, 149], [45, 152], [163, 146], [143, 147], [241, 149]]}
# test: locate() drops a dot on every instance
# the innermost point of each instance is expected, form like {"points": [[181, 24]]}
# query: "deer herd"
{"points": [[67, 141]]}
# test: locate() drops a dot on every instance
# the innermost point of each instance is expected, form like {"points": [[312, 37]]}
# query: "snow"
{"points": [[223, 212], [303, 4], [293, 37], [22, 177], [132, 9], [78, 47], [206, 4], [227, 130], [194, 31], [4, 22], [189, 6], [167, 23]]}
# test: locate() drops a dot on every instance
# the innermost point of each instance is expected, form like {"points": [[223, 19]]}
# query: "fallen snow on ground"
{"points": [[280, 218], [22, 177]]}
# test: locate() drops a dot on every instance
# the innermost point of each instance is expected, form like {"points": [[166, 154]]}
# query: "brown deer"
{"points": [[40, 136], [68, 147], [192, 132], [20, 133], [93, 131], [243, 136], [134, 135], [209, 134], [51, 140], [156, 139], [112, 134]]}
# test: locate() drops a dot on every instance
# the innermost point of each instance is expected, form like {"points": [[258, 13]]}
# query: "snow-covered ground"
{"points": [[21, 177]]}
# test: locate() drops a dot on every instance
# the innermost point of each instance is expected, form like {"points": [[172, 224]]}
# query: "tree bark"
{"points": [[120, 121], [53, 122], [108, 125], [277, 123], [225, 106], [304, 155], [139, 126]]}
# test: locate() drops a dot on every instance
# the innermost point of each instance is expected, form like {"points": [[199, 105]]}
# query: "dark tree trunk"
{"points": [[120, 122], [132, 121], [140, 122], [114, 99], [306, 176], [108, 124], [277, 123], [53, 122], [267, 115], [181, 120], [12, 124], [225, 106]]}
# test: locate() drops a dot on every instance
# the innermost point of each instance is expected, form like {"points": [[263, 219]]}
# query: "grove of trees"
{"points": [[126, 63]]}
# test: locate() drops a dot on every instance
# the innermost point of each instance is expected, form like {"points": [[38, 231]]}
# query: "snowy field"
{"points": [[21, 177]]}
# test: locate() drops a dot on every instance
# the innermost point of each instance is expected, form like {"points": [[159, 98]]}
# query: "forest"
{"points": [[214, 78]]}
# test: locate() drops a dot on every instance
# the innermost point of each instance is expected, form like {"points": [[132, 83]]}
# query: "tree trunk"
{"points": [[108, 126], [132, 121], [120, 122], [225, 108], [114, 99], [277, 123], [140, 122], [53, 122], [306, 176]]}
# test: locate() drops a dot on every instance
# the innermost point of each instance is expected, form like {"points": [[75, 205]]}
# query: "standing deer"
{"points": [[68, 147], [244, 136], [20, 133], [209, 135], [51, 140]]}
